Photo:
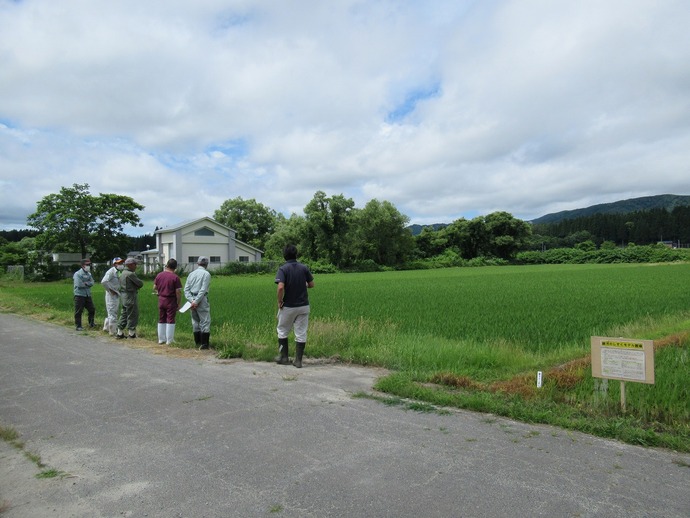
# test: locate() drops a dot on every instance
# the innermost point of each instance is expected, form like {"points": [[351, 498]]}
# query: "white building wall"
{"points": [[182, 243]]}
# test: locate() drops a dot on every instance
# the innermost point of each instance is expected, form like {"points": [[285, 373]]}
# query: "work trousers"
{"points": [[297, 318], [79, 304], [167, 309], [129, 316], [201, 316], [112, 306]]}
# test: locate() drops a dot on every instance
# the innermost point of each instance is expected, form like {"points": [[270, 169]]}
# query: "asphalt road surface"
{"points": [[137, 429]]}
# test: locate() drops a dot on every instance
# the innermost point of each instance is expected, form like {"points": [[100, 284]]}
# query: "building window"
{"points": [[244, 258], [192, 258], [204, 232], [215, 259]]}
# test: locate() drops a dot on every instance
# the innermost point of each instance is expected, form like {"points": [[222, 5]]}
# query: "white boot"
{"points": [[161, 333], [106, 324], [170, 331]]}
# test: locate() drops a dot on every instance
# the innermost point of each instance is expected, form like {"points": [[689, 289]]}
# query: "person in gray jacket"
{"points": [[130, 285], [83, 280], [196, 292]]}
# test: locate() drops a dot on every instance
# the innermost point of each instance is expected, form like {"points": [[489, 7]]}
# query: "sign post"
{"points": [[624, 359]]}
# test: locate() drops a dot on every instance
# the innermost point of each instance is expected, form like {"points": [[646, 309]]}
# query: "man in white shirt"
{"points": [[111, 285]]}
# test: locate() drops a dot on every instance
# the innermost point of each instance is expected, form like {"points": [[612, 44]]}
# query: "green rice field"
{"points": [[464, 337]]}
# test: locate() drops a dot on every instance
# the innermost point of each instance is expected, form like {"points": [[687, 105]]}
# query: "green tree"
{"points": [[629, 227], [75, 221], [328, 226], [497, 235], [381, 234], [12, 254], [572, 240], [253, 221], [288, 231], [506, 234], [586, 246], [430, 242], [467, 238], [457, 238]]}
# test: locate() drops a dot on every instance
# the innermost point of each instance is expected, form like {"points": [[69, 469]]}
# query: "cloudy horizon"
{"points": [[446, 109]]}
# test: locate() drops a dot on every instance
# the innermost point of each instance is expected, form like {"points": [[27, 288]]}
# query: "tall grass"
{"points": [[486, 327]]}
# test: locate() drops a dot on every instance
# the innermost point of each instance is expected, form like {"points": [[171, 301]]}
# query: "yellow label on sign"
{"points": [[625, 345]]}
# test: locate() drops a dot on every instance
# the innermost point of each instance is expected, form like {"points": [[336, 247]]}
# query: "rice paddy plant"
{"points": [[492, 319], [536, 309]]}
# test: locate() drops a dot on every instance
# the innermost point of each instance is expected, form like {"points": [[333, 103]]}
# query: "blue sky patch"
{"points": [[411, 100]]}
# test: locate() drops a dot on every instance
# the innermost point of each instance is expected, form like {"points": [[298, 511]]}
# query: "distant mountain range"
{"points": [[661, 201]]}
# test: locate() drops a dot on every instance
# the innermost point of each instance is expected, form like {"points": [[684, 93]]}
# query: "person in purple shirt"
{"points": [[168, 287]]}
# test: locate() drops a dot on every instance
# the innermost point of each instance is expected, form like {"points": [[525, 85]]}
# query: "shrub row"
{"points": [[630, 254]]}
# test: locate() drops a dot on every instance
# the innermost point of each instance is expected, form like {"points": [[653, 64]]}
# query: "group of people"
{"points": [[122, 286]]}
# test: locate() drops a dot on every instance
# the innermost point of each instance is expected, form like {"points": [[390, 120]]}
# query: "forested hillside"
{"points": [[640, 227], [646, 203]]}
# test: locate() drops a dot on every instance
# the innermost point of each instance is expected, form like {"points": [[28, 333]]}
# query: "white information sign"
{"points": [[622, 363], [623, 359]]}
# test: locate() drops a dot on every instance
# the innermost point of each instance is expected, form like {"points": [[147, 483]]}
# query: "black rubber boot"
{"points": [[298, 354], [284, 358], [197, 338], [205, 337]]}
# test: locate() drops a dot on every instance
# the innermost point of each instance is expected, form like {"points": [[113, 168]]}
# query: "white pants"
{"points": [[293, 317], [112, 305]]}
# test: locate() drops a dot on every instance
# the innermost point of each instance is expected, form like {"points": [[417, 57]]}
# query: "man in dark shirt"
{"points": [[293, 279]]}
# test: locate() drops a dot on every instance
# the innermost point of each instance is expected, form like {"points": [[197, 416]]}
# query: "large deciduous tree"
{"points": [[75, 221], [381, 234], [253, 221], [506, 234], [498, 234], [430, 242], [288, 231], [328, 227]]}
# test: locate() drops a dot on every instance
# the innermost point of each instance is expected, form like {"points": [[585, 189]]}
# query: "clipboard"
{"points": [[185, 307]]}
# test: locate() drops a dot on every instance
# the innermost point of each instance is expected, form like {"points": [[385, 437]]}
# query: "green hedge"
{"points": [[630, 254]]}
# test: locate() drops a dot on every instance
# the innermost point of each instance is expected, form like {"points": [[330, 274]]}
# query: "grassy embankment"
{"points": [[470, 338]]}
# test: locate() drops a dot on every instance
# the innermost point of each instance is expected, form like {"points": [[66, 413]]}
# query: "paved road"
{"points": [[142, 433]]}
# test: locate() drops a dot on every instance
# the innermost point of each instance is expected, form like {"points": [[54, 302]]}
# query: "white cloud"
{"points": [[446, 109]]}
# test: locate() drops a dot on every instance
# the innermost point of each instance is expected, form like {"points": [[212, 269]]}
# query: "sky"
{"points": [[447, 109]]}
